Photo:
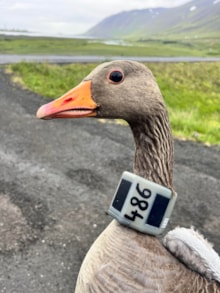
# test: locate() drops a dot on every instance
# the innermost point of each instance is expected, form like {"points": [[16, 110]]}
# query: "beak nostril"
{"points": [[70, 99]]}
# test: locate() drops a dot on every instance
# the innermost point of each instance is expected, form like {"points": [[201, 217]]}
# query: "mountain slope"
{"points": [[125, 23], [197, 18]]}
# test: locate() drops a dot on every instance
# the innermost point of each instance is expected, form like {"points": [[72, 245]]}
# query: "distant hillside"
{"points": [[198, 18]]}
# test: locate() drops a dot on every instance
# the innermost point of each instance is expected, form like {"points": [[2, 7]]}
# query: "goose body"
{"points": [[121, 259]]}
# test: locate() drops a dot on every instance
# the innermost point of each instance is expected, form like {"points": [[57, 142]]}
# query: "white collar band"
{"points": [[141, 204]]}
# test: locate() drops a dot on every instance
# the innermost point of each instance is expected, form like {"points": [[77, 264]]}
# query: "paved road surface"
{"points": [[8, 59], [56, 181]]}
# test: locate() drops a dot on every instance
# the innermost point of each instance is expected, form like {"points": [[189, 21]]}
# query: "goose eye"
{"points": [[116, 76]]}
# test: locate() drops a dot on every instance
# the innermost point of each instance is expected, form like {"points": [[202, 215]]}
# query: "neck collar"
{"points": [[141, 204]]}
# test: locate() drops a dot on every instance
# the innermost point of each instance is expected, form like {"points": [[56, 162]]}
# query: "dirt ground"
{"points": [[57, 179]]}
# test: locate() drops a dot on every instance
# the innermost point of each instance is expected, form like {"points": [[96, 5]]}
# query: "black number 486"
{"points": [[141, 204]]}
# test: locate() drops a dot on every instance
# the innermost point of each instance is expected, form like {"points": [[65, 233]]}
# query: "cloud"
{"points": [[67, 16]]}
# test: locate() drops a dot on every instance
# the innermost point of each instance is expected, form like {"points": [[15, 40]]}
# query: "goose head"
{"points": [[119, 89], [124, 90]]}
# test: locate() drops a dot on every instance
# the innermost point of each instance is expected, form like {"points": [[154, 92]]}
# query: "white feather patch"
{"points": [[194, 251]]}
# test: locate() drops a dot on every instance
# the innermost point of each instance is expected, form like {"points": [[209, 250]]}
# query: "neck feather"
{"points": [[154, 149]]}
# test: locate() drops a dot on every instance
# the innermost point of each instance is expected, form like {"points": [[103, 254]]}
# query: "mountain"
{"points": [[125, 23], [198, 18]]}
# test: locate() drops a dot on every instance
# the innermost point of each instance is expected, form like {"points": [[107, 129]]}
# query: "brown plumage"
{"points": [[121, 259]]}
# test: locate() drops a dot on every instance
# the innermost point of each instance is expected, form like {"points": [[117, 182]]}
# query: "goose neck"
{"points": [[154, 150]]}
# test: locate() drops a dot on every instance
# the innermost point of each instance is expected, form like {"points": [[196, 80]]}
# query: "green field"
{"points": [[191, 92], [61, 46]]}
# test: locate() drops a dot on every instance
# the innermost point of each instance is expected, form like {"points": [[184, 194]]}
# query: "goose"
{"points": [[123, 259]]}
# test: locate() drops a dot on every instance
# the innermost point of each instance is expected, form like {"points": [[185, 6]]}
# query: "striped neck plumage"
{"points": [[154, 149]]}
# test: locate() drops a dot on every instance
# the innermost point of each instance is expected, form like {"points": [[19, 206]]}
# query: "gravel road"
{"points": [[56, 181], [63, 59]]}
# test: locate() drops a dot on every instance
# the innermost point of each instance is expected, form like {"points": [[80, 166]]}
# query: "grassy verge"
{"points": [[191, 92], [62, 46]]}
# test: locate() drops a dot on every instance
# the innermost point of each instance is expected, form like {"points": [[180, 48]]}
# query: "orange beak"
{"points": [[76, 103]]}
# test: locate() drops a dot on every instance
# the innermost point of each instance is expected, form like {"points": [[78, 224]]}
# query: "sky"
{"points": [[67, 16]]}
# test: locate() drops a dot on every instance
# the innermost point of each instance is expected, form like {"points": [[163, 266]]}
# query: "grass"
{"points": [[204, 46], [62, 46], [191, 92], [49, 80]]}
